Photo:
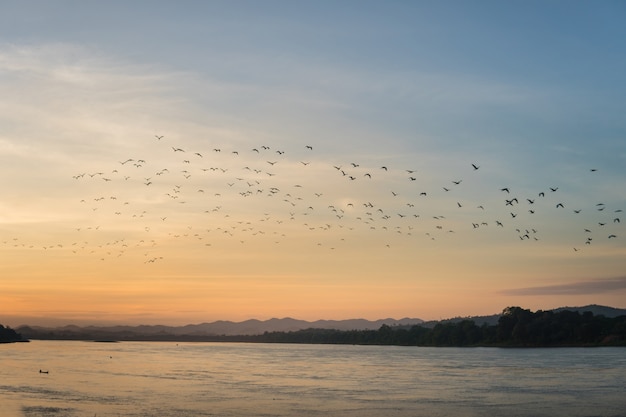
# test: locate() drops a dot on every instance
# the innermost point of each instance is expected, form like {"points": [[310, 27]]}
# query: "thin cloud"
{"points": [[598, 286]]}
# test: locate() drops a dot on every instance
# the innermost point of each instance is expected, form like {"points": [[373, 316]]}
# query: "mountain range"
{"points": [[255, 327], [220, 328]]}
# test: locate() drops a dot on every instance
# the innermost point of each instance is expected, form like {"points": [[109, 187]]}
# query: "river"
{"points": [[163, 379]]}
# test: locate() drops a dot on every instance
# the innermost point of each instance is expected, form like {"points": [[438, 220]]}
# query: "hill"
{"points": [[492, 320], [597, 310], [221, 330], [204, 330]]}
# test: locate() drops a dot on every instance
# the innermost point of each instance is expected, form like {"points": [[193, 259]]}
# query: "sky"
{"points": [[184, 162]]}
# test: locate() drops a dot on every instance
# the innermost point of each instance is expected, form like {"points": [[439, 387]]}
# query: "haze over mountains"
{"points": [[230, 328], [255, 327]]}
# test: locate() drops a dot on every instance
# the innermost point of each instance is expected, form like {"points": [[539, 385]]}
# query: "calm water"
{"points": [[223, 379]]}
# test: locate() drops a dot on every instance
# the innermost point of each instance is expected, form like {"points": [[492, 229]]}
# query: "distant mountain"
{"points": [[492, 320], [217, 328], [597, 310], [286, 325]]}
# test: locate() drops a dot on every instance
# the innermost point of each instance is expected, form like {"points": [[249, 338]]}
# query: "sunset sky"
{"points": [[185, 162]]}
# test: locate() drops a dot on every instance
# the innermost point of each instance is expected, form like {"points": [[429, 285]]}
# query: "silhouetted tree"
{"points": [[8, 335]]}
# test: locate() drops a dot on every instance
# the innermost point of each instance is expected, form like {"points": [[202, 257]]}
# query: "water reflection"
{"points": [[213, 379]]}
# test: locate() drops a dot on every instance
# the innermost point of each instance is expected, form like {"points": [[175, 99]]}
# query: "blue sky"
{"points": [[531, 92]]}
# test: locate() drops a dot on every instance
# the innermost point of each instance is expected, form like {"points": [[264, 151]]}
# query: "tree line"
{"points": [[516, 327], [8, 335]]}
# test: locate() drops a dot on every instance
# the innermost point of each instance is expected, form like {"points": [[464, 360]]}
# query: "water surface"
{"points": [[239, 379]]}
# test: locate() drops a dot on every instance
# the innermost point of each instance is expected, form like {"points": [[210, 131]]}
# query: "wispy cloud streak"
{"points": [[597, 286]]}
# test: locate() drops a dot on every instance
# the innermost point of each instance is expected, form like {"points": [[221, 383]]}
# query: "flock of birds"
{"points": [[270, 196]]}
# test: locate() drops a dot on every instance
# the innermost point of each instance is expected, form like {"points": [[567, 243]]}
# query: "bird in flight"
{"points": [[475, 167]]}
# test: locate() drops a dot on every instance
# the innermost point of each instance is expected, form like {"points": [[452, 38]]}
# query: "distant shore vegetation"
{"points": [[8, 335], [516, 327]]}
